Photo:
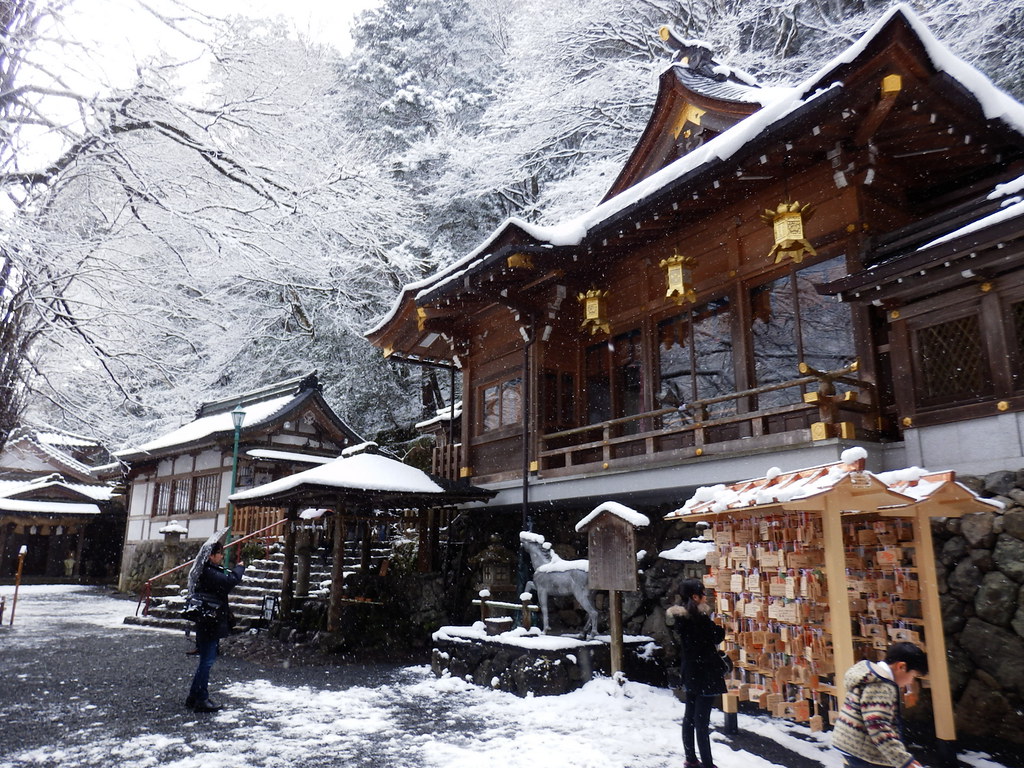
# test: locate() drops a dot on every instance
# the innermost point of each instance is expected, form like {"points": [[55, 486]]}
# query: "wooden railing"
{"points": [[695, 429], [249, 519], [447, 460]]}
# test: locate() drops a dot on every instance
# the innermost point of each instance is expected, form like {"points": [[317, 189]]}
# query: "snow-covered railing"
{"points": [[692, 426]]}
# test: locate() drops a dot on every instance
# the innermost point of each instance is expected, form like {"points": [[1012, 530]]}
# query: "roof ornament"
{"points": [[693, 54]]}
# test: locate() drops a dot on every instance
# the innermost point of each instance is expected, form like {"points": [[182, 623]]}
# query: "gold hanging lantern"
{"points": [[595, 311], [679, 277], [788, 222]]}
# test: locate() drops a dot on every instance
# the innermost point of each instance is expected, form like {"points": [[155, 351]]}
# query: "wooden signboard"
{"points": [[611, 549]]}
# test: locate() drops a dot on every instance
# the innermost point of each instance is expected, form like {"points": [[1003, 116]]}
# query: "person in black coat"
{"points": [[215, 582], [702, 672]]}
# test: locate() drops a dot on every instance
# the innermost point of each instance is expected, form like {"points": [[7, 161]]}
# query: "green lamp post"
{"points": [[237, 417]]}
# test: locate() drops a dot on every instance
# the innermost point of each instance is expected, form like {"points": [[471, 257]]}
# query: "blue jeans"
{"points": [[208, 645], [697, 725]]}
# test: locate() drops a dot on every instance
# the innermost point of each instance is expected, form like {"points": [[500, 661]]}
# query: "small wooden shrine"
{"points": [[818, 568]]}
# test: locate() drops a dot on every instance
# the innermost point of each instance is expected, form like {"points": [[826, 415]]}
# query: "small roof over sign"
{"points": [[798, 489], [621, 511]]}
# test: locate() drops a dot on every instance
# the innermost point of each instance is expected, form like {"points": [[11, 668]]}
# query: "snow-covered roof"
{"points": [[255, 414], [995, 104], [62, 438], [443, 414], [47, 507], [269, 453], [9, 488], [365, 471], [1012, 208], [33, 441], [367, 446], [905, 487], [621, 511]]}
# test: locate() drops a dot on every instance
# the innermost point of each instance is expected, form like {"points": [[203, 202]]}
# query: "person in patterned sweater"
{"points": [[869, 731]]}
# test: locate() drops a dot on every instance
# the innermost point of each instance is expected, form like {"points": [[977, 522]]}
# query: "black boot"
{"points": [[206, 706]]}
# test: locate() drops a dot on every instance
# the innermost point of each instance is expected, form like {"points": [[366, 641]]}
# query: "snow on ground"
{"points": [[400, 717]]}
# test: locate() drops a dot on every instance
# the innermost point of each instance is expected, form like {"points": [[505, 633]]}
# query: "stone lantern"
{"points": [[495, 567], [172, 544]]}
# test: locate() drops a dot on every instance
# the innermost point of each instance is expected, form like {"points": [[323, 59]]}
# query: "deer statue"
{"points": [[554, 576]]}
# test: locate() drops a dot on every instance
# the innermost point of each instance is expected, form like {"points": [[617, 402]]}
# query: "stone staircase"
{"points": [[262, 578]]}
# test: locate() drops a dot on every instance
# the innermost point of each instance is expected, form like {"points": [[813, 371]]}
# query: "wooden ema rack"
{"points": [[771, 594], [807, 585]]}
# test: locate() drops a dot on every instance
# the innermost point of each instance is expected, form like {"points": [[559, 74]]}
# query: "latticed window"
{"points": [[951, 362], [207, 493], [162, 499]]}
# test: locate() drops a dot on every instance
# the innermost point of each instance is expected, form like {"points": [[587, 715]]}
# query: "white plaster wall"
{"points": [[165, 467], [208, 460], [974, 447], [289, 440], [134, 531], [182, 464], [202, 528], [225, 488], [142, 497]]}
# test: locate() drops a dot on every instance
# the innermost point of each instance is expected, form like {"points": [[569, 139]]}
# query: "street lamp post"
{"points": [[237, 417]]}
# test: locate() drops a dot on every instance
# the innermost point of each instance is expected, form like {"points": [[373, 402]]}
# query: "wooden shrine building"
{"points": [[186, 475], [776, 271]]}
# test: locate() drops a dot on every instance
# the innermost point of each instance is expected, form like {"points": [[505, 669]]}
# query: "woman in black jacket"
{"points": [[702, 672], [213, 587]]}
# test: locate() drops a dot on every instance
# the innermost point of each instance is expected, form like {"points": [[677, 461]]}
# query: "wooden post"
{"points": [[838, 600], [731, 707], [615, 629], [288, 567], [337, 571], [17, 579], [365, 545], [303, 551], [527, 620], [938, 671]]}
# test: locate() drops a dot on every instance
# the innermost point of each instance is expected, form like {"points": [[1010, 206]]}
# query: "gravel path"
{"points": [[79, 688]]}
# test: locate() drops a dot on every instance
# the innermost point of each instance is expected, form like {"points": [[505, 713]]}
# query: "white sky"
{"points": [[121, 25]]}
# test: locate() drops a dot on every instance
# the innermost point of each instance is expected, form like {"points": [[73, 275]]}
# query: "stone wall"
{"points": [[981, 586], [509, 666], [145, 560]]}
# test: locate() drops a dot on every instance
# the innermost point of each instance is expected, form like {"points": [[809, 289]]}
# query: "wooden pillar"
{"points": [[80, 543], [337, 570], [838, 600], [303, 551], [434, 533], [615, 628], [288, 566], [423, 556], [366, 544], [935, 640]]}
